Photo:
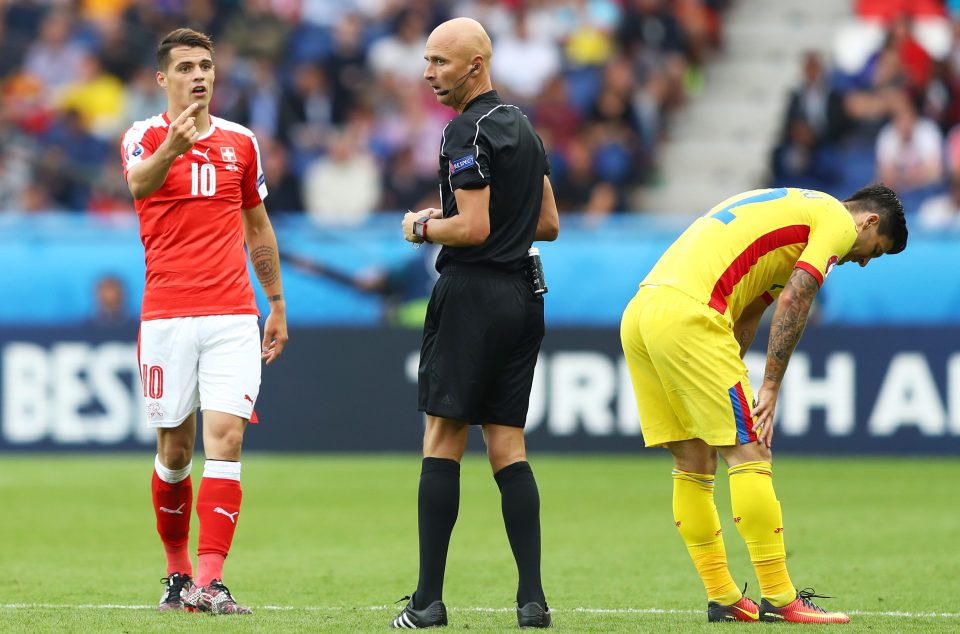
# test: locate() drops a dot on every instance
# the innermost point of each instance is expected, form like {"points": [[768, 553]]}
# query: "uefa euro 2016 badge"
{"points": [[462, 163], [832, 262], [134, 150]]}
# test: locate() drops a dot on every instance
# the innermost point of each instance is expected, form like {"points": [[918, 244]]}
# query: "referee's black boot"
{"points": [[533, 615], [434, 615]]}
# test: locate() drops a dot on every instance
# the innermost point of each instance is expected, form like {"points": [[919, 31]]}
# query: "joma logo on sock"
{"points": [[777, 531], [736, 520]]}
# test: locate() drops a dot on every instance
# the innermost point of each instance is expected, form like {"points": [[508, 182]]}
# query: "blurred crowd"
{"points": [[886, 106], [334, 91]]}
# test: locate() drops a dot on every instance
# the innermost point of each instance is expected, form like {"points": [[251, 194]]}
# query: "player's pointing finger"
{"points": [[188, 112]]}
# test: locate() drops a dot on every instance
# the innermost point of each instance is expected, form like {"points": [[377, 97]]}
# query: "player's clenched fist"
{"points": [[182, 133]]}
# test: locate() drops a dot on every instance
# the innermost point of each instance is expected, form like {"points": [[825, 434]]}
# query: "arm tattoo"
{"points": [[265, 265], [789, 321]]}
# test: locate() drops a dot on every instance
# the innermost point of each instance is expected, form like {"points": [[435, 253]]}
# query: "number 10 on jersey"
{"points": [[203, 179]]}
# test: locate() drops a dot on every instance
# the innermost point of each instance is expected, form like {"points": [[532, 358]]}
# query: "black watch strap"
{"points": [[419, 227]]}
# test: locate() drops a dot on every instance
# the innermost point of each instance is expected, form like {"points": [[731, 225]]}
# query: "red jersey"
{"points": [[191, 228]]}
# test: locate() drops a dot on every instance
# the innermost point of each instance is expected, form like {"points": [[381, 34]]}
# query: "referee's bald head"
{"points": [[458, 56], [465, 38]]}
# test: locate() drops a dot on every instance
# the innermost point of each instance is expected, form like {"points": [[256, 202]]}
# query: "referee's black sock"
{"points": [[520, 501], [438, 503]]}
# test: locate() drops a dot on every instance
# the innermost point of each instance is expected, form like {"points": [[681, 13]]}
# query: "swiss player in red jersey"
{"points": [[199, 189]]}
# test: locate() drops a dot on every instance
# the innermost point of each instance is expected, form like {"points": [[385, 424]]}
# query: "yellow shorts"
{"points": [[686, 370]]}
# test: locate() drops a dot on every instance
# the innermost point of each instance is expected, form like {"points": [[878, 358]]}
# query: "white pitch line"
{"points": [[377, 608]]}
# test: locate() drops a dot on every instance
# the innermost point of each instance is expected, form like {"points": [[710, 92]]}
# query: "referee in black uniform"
{"points": [[484, 322]]}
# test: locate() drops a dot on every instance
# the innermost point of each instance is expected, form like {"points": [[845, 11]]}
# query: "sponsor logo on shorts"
{"points": [[247, 398]]}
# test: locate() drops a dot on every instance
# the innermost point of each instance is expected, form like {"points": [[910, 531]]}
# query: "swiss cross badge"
{"points": [[228, 154]]}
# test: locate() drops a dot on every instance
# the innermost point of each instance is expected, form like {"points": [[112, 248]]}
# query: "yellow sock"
{"points": [[756, 513], [696, 518]]}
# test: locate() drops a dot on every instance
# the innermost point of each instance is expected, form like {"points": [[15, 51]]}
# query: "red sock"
{"points": [[218, 507], [173, 504]]}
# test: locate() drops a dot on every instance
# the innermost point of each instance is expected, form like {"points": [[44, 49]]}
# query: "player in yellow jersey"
{"points": [[684, 335]]}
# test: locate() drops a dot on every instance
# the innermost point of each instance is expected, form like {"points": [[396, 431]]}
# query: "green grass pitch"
{"points": [[327, 543]]}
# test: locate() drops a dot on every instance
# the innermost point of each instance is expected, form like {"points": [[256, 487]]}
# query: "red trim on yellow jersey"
{"points": [[812, 270], [742, 264], [767, 297]]}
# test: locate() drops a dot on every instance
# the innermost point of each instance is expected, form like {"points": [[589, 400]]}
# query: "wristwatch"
{"points": [[420, 228]]}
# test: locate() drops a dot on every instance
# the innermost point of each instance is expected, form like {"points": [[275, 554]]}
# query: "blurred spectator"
{"points": [[123, 45], [257, 32], [799, 161], [807, 154], [346, 68], [938, 101], [108, 191], [110, 305], [283, 187], [541, 61], [308, 109], [342, 187], [403, 186], [816, 103], [399, 55], [875, 89], [917, 65], [262, 105], [35, 198], [71, 157], [591, 40], [54, 58], [554, 115], [24, 105], [942, 212], [144, 97], [604, 200], [98, 98], [494, 15], [580, 188], [909, 150]]}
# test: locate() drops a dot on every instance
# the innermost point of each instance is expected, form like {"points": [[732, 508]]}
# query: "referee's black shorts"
{"points": [[481, 338]]}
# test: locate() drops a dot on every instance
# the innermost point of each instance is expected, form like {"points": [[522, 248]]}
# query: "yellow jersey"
{"points": [[747, 246]]}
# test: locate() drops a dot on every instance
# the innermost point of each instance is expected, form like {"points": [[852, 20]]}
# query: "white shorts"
{"points": [[211, 362]]}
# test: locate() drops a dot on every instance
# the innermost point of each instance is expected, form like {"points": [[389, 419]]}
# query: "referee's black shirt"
{"points": [[493, 144]]}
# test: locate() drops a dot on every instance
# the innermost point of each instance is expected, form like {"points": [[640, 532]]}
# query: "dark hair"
{"points": [[881, 200], [181, 37]]}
